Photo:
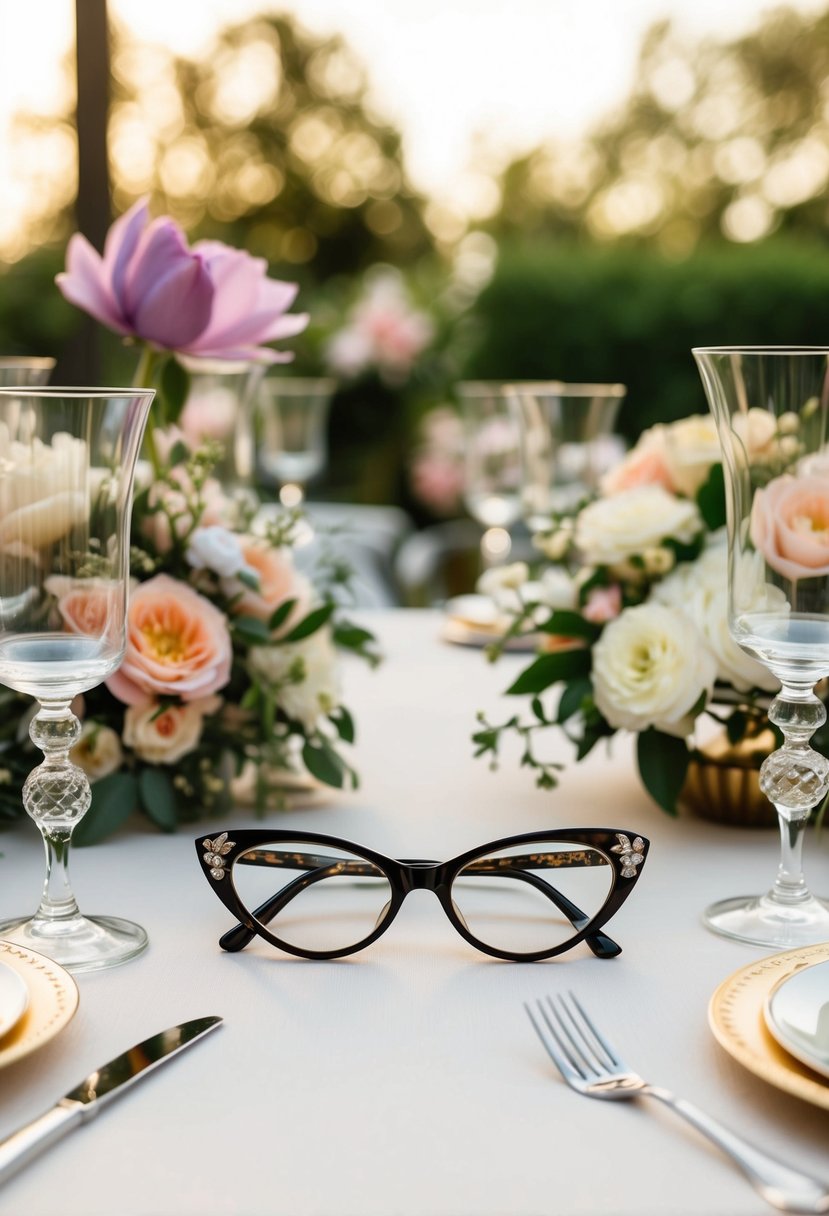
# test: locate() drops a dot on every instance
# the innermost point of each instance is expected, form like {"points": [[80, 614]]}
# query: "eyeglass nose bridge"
{"points": [[417, 875]]}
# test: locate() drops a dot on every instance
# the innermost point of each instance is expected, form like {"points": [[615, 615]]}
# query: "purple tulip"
{"points": [[148, 284], [249, 309], [210, 301]]}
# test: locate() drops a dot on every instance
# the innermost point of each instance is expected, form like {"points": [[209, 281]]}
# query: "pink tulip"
{"points": [[148, 284], [210, 301], [249, 308]]}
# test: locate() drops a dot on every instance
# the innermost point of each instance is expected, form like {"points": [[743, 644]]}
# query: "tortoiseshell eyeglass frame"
{"points": [[624, 851]]}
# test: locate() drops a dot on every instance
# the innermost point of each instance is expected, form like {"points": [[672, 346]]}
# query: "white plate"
{"points": [[14, 998], [797, 1015]]}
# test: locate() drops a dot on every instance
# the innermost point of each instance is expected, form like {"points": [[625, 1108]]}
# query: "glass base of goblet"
{"points": [[765, 921], [79, 943]]}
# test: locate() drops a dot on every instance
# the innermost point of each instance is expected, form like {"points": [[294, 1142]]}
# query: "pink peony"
{"points": [[178, 645], [790, 526], [210, 300], [148, 284], [279, 580]]}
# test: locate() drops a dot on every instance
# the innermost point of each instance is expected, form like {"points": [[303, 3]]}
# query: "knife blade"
{"points": [[95, 1091]]}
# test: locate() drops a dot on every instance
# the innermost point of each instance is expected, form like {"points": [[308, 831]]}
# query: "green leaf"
{"points": [[550, 669], [573, 698], [280, 615], [179, 452], [352, 636], [158, 798], [250, 579], [570, 625], [114, 798], [174, 387], [310, 624], [250, 629], [344, 723], [711, 499], [663, 765], [323, 763]]}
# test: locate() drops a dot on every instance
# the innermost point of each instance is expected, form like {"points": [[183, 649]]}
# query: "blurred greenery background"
{"points": [[695, 214]]}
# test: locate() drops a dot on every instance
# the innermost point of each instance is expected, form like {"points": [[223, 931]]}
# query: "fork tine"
{"points": [[579, 1049], [586, 1027], [552, 1044]]}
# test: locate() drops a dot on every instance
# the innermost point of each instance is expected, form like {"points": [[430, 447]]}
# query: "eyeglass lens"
{"points": [[522, 899]]}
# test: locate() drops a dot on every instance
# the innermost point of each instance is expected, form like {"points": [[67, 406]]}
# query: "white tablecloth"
{"points": [[406, 1081]]}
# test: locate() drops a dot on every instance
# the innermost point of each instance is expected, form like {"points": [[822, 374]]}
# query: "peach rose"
{"points": [[279, 580], [178, 645], [645, 465], [163, 738], [790, 526], [93, 607]]}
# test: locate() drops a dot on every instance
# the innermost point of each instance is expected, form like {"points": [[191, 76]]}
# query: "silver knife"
{"points": [[86, 1099]]}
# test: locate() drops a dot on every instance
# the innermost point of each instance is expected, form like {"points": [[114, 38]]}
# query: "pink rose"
{"points": [[790, 526], [279, 580], [178, 645], [603, 604], [165, 737]]}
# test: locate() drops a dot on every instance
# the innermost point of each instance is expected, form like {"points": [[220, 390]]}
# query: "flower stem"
{"points": [[143, 378]]}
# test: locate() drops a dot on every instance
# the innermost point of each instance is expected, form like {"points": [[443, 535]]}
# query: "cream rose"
{"points": [[98, 751], [44, 490], [178, 645], [650, 667], [165, 737], [699, 590], [303, 674], [691, 448], [790, 526], [614, 529]]}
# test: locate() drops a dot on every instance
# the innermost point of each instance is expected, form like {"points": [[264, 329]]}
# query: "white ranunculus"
{"points": [[303, 674], [165, 737], [217, 549], [699, 590], [557, 589], [98, 751], [691, 448], [756, 429], [611, 530], [650, 667]]}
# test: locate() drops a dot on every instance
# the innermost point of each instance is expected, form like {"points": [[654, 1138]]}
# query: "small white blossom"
{"points": [[217, 549], [303, 674]]}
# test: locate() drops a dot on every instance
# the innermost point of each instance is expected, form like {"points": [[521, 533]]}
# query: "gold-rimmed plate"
{"points": [[53, 999], [736, 1018]]}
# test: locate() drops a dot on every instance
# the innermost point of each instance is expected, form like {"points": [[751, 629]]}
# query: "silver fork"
{"points": [[591, 1066]]}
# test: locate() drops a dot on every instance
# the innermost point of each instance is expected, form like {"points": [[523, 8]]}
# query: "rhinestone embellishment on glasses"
{"points": [[631, 855], [215, 855]]}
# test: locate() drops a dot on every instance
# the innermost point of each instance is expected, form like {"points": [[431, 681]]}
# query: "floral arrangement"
{"points": [[231, 666], [384, 333], [630, 602]]}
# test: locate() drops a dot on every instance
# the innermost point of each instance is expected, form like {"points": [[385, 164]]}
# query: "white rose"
{"points": [[163, 738], [44, 489], [700, 591], [613, 529], [303, 674], [503, 584], [691, 448], [98, 751], [217, 549], [650, 668]]}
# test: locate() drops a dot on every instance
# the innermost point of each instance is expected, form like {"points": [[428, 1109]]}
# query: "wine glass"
{"points": [[17, 371], [561, 427], [771, 407], [67, 460], [292, 448], [492, 465]]}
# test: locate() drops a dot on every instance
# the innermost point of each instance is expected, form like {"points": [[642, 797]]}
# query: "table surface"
{"points": [[406, 1081]]}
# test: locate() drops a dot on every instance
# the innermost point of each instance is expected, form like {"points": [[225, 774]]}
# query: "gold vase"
{"points": [[723, 782]]}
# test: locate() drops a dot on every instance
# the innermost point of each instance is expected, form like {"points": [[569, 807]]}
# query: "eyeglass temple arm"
{"points": [[240, 935]]}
